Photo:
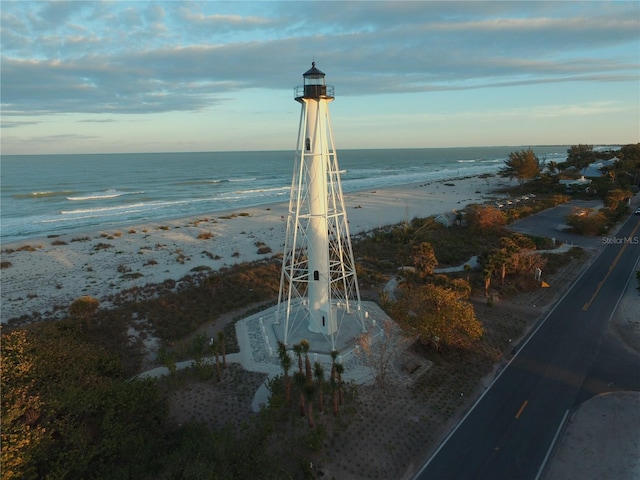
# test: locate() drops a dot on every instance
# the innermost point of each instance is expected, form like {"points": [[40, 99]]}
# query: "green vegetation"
{"points": [[173, 311], [263, 248], [514, 255], [84, 308], [436, 315], [88, 421], [523, 165], [85, 420]]}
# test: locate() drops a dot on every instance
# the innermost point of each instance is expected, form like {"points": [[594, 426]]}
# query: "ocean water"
{"points": [[45, 195]]}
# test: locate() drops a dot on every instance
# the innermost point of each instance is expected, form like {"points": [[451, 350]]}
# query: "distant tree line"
{"points": [[614, 185], [622, 174]]}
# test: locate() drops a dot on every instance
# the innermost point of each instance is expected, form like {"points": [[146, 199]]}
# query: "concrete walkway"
{"points": [[257, 341]]}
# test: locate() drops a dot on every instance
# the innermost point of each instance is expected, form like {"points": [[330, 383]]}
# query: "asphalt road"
{"points": [[551, 223], [508, 433]]}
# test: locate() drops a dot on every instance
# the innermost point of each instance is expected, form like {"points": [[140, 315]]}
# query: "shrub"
{"points": [[28, 248], [484, 218], [201, 268], [587, 221], [205, 236], [181, 258], [211, 255], [67, 411], [123, 268], [132, 276], [84, 308]]}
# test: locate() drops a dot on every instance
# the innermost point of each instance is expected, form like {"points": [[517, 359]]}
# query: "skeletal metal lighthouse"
{"points": [[318, 285]]}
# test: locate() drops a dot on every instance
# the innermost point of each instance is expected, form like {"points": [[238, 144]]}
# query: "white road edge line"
{"points": [[626, 285], [553, 444]]}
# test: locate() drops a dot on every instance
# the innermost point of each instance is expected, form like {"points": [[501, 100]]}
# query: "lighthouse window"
{"points": [[308, 144], [316, 275]]}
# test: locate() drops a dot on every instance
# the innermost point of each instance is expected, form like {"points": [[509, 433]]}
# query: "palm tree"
{"points": [[309, 390], [334, 382], [300, 381], [223, 349], [297, 349], [339, 372], [304, 345], [487, 280], [285, 361], [467, 269], [334, 395], [282, 349], [334, 356], [319, 374], [216, 351]]}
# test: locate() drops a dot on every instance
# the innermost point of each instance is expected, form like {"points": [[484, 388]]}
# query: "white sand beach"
{"points": [[49, 273]]}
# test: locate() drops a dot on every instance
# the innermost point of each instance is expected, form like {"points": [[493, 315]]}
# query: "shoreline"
{"points": [[47, 274]]}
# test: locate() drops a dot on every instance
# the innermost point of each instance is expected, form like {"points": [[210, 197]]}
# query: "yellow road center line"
{"points": [[524, 405]]}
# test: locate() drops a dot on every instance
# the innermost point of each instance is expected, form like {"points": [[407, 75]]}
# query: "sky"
{"points": [[109, 77]]}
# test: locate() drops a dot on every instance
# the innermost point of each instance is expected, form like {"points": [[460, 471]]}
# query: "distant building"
{"points": [[581, 183], [593, 169]]}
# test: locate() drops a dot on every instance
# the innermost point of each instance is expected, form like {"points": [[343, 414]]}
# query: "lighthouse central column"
{"points": [[315, 154]]}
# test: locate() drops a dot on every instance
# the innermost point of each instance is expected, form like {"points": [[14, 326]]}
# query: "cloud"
{"points": [[16, 123], [88, 57], [97, 120], [200, 20], [56, 13]]}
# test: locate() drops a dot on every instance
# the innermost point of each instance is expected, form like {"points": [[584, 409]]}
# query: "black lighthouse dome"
{"points": [[314, 86]]}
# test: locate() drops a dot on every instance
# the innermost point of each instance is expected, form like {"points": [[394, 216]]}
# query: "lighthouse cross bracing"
{"points": [[318, 284]]}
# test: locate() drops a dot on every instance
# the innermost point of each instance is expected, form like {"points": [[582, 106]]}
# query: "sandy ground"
{"points": [[47, 274], [601, 440]]}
